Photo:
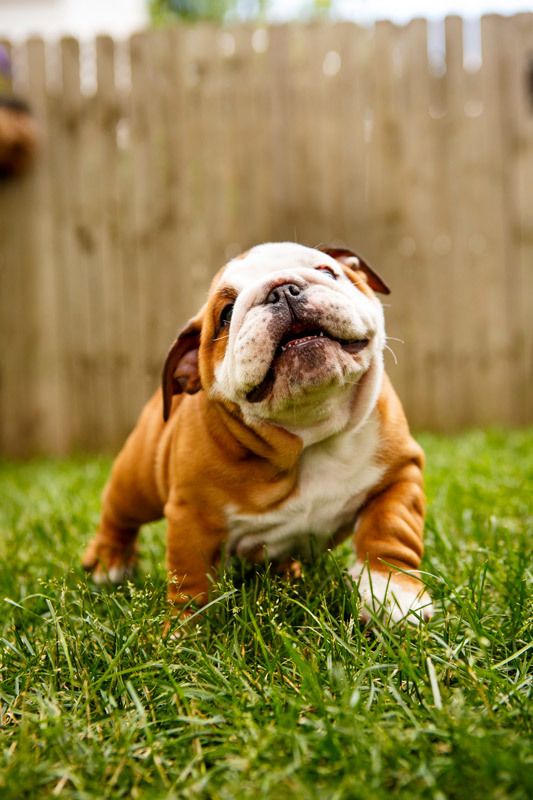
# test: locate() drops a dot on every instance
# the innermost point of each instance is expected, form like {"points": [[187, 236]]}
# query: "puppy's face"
{"points": [[285, 328]]}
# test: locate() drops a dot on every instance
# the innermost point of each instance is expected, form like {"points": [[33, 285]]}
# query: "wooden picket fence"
{"points": [[163, 156]]}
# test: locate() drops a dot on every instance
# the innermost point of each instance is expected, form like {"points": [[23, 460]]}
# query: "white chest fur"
{"points": [[334, 479]]}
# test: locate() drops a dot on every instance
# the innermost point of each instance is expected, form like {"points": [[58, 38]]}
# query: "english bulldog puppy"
{"points": [[276, 435]]}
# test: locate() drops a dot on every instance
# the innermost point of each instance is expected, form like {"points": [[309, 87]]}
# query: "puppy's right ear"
{"points": [[181, 372]]}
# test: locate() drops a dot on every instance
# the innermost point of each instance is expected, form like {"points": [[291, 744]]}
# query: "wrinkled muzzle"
{"points": [[295, 334]]}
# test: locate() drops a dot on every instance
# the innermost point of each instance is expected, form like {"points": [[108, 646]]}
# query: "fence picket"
{"points": [[517, 116]]}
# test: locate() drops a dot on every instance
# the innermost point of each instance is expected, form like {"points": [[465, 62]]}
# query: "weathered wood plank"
{"points": [[49, 389], [174, 303], [516, 124], [75, 244], [488, 238], [421, 201], [351, 161], [113, 348], [18, 386], [386, 196]]}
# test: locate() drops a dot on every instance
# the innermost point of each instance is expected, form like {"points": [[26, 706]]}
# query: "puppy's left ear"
{"points": [[181, 372], [355, 263]]}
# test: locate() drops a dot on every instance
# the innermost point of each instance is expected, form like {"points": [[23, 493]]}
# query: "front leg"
{"points": [[388, 535], [111, 555], [131, 498], [193, 549]]}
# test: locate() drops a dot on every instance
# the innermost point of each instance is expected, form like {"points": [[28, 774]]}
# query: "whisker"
{"points": [[393, 353], [394, 339], [219, 338]]}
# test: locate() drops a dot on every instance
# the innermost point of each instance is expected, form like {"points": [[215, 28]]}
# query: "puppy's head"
{"points": [[285, 328]]}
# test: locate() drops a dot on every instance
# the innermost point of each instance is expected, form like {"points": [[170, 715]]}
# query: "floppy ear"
{"points": [[356, 263], [181, 372]]}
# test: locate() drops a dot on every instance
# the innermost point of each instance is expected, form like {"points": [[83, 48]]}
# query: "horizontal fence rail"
{"points": [[163, 156]]}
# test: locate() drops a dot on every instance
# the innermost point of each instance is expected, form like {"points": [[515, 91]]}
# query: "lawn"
{"points": [[277, 692]]}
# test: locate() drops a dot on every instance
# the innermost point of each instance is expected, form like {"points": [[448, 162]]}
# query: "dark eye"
{"points": [[227, 311], [328, 271]]}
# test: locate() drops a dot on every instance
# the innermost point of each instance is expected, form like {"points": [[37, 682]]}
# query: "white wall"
{"points": [[81, 18], [366, 11], [86, 18]]}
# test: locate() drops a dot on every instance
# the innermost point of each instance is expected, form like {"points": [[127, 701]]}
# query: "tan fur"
{"points": [[391, 524], [157, 472], [204, 459]]}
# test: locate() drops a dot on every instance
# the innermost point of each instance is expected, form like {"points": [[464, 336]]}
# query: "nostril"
{"points": [[274, 296], [285, 290]]}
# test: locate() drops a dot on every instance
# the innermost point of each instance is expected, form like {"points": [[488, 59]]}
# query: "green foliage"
{"points": [[162, 11], [322, 7], [276, 691]]}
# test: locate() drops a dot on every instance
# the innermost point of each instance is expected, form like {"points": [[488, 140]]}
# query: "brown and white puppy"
{"points": [[277, 434]]}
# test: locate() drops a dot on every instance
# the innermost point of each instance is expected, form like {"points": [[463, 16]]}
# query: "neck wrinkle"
{"points": [[263, 440], [279, 446], [362, 404], [366, 399]]}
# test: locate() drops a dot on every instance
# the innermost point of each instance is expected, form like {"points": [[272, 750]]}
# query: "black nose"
{"points": [[286, 290]]}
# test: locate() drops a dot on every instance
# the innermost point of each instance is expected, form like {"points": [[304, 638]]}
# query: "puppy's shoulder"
{"points": [[396, 444]]}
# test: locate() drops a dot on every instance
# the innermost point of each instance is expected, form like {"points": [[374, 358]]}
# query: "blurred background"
{"points": [[142, 144]]}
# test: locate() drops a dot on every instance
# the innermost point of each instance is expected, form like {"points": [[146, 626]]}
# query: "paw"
{"points": [[107, 564], [181, 623], [397, 597], [291, 569]]}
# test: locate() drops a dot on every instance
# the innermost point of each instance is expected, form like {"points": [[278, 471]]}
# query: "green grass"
{"points": [[277, 692]]}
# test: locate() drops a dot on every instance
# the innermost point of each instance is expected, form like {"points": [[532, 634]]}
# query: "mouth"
{"points": [[300, 336]]}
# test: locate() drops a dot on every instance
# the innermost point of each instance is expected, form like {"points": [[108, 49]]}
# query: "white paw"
{"points": [[384, 593], [115, 575]]}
